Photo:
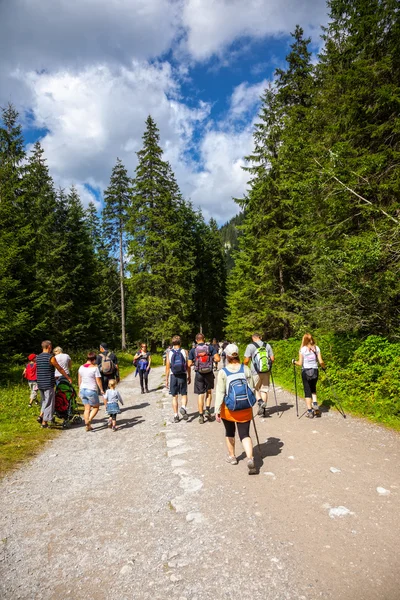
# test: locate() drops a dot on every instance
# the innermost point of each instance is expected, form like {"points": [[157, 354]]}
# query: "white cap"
{"points": [[232, 350]]}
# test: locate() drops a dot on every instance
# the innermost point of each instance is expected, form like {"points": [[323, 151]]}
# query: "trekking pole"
{"points": [[295, 389], [255, 431], [276, 401], [336, 401]]}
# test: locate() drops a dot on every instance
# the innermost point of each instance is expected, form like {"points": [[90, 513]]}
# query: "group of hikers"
{"points": [[240, 386]]}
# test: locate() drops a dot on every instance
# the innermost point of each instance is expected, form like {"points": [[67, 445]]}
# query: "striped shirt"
{"points": [[45, 371]]}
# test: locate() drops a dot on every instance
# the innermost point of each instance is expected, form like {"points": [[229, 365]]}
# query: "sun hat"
{"points": [[31, 356], [232, 350]]}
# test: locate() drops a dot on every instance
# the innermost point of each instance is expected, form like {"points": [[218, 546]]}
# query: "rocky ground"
{"points": [[153, 510]]}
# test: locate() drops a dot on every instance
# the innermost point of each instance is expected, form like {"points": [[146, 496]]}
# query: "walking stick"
{"points": [[273, 387], [255, 431], [295, 389]]}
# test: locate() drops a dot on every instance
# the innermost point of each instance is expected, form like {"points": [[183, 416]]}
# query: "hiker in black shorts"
{"points": [[203, 357], [108, 364]]}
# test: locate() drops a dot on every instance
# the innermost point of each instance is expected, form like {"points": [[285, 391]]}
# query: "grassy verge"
{"points": [[20, 435]]}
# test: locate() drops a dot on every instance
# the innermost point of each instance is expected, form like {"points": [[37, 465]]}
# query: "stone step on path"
{"points": [[154, 511]]}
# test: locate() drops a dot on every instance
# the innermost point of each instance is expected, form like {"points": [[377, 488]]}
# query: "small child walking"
{"points": [[112, 398], [30, 375]]}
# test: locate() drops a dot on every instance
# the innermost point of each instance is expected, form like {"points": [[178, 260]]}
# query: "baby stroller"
{"points": [[66, 406]]}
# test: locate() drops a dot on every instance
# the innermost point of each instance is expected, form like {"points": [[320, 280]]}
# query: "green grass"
{"points": [[20, 435]]}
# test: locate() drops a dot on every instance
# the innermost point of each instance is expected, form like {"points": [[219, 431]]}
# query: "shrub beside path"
{"points": [[153, 511]]}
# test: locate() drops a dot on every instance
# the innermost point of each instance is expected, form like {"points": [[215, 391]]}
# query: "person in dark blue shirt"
{"points": [[203, 357]]}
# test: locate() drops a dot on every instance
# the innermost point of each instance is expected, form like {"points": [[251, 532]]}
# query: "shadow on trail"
{"points": [[272, 447], [135, 407], [281, 408]]}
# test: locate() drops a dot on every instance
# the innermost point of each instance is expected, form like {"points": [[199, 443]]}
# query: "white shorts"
{"points": [[261, 382]]}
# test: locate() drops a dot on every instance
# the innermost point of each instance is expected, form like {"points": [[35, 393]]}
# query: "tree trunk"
{"points": [[121, 276], [286, 326]]}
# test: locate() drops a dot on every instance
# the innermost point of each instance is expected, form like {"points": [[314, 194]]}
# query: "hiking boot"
{"points": [[251, 466], [316, 410], [176, 419], [147, 390], [310, 414], [207, 413], [201, 419], [261, 408], [142, 391], [232, 460], [183, 412]]}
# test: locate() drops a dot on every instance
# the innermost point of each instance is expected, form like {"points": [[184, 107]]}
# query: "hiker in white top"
{"points": [[309, 360], [260, 370], [89, 380], [64, 360], [177, 377]]}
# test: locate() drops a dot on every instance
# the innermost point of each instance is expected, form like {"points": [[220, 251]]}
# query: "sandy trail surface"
{"points": [[154, 511]]}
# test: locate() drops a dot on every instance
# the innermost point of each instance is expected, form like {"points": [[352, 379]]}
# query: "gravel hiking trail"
{"points": [[154, 511]]}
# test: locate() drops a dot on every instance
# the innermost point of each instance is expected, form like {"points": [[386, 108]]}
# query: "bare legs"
{"points": [[247, 446], [89, 413]]}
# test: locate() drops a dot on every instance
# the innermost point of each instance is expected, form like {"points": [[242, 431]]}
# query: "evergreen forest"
{"points": [[315, 246]]}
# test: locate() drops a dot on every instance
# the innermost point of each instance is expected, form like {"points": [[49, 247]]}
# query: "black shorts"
{"points": [[203, 382], [178, 385], [310, 386], [243, 429]]}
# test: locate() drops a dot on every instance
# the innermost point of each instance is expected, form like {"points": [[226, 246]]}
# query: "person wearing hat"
{"points": [[30, 374], [108, 365], [238, 419]]}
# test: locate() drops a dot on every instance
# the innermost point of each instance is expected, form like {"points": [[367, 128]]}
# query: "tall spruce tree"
{"points": [[159, 265], [115, 218]]}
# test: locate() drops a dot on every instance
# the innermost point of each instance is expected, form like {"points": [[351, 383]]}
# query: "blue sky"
{"points": [[85, 75]]}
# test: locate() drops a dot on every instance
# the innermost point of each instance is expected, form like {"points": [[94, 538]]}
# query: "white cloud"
{"points": [[212, 25], [245, 98]]}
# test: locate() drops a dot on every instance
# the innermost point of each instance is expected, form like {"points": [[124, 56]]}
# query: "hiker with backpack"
{"points": [[309, 359], [177, 377], [234, 403], [261, 356], [29, 373], [108, 365], [202, 357], [142, 362]]}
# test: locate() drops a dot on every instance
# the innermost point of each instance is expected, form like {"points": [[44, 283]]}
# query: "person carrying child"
{"points": [[111, 399], [30, 375]]}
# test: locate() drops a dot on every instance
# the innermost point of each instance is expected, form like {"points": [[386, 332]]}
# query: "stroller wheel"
{"points": [[65, 425], [77, 419]]}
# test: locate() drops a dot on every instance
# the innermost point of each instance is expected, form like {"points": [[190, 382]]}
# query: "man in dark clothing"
{"points": [[107, 370], [46, 364], [203, 358]]}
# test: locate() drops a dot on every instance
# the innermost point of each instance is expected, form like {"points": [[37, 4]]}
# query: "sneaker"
{"points": [[251, 466], [114, 428], [261, 408], [45, 426], [30, 405], [316, 409], [232, 460], [201, 419], [183, 412], [109, 424], [176, 419], [310, 414], [39, 419]]}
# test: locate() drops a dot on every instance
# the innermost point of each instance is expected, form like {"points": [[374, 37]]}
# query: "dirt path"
{"points": [[153, 511]]}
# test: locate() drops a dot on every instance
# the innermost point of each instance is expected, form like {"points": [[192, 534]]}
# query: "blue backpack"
{"points": [[142, 365], [178, 362], [238, 394]]}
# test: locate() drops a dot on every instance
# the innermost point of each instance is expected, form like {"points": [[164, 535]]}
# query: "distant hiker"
{"points": [[222, 352], [142, 362], [261, 356], [64, 360], [30, 375], [215, 345], [89, 380], [177, 377], [111, 400], [234, 403], [46, 364], [309, 358], [108, 364], [203, 357]]}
